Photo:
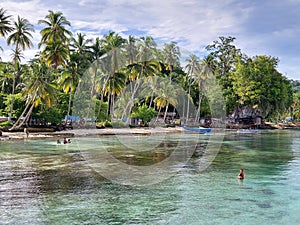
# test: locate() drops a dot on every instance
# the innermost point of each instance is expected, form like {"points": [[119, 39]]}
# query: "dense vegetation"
{"points": [[44, 89]]}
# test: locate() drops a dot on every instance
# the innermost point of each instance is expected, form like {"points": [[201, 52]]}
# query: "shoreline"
{"points": [[10, 136]]}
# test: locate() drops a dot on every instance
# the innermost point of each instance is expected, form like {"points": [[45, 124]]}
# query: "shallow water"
{"points": [[45, 183]]}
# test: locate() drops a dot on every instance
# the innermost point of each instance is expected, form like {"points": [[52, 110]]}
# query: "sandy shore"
{"points": [[89, 132]]}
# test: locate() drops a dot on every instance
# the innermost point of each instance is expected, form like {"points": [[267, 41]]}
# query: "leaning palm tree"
{"points": [[38, 91], [21, 38]]}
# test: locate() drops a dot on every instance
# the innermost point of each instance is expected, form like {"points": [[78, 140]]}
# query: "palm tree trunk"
{"points": [[158, 114], [166, 111], [188, 105], [69, 106], [21, 116], [199, 106]]}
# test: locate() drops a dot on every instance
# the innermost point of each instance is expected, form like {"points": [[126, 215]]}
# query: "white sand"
{"points": [[90, 132]]}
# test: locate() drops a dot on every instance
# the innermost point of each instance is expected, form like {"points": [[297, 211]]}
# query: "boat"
{"points": [[201, 130]]}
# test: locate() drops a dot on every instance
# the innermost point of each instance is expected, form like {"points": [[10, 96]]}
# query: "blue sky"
{"points": [[270, 27]]}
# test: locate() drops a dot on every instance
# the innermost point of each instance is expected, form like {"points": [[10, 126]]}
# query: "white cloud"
{"points": [[192, 23]]}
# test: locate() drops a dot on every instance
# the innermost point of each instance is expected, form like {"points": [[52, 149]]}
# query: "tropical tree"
{"points": [[131, 50], [221, 59], [96, 49], [55, 28], [69, 80], [147, 49], [5, 23], [171, 54], [21, 38], [38, 90], [55, 38], [192, 68], [166, 96], [260, 88], [200, 77], [56, 53]]}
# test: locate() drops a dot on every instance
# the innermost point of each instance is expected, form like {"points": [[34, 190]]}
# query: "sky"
{"points": [[261, 27]]}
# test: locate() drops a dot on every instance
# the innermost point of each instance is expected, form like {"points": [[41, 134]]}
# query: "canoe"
{"points": [[201, 130]]}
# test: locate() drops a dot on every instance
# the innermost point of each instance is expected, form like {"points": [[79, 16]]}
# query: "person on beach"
{"points": [[26, 132], [241, 174]]}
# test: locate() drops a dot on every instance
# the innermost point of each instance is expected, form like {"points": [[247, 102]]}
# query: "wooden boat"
{"points": [[201, 130]]}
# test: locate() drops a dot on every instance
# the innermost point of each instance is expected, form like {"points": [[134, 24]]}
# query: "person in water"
{"points": [[241, 174], [58, 141], [65, 141]]}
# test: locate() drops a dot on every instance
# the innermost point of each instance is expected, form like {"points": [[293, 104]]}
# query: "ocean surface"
{"points": [[158, 179]]}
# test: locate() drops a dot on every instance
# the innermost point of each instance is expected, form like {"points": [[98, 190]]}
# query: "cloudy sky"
{"points": [[261, 27]]}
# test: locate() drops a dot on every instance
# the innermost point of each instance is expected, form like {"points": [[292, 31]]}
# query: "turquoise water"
{"points": [[45, 183]]}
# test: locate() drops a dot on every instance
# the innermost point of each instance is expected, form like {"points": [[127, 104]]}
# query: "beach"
{"points": [[89, 132]]}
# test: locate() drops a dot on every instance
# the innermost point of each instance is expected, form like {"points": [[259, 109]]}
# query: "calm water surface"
{"points": [[45, 183]]}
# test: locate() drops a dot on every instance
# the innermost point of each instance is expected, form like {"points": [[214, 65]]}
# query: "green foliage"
{"points": [[101, 112], [19, 105], [144, 113], [257, 83], [5, 124]]}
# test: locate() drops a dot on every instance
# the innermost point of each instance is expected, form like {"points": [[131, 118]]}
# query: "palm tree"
{"points": [[38, 90], [56, 38], [80, 44], [55, 29], [5, 24], [200, 78], [20, 37], [192, 68], [171, 55], [146, 47], [112, 44], [96, 49], [131, 50], [69, 80], [56, 53], [166, 95]]}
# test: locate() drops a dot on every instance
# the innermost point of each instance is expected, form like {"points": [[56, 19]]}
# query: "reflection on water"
{"points": [[45, 183]]}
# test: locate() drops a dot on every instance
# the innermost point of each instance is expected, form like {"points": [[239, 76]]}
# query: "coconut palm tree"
{"points": [[200, 78], [38, 90], [147, 49], [171, 56], [55, 29], [166, 95], [21, 38], [80, 44], [55, 38], [56, 53], [112, 45], [70, 79], [5, 23], [96, 49], [131, 50], [192, 68]]}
